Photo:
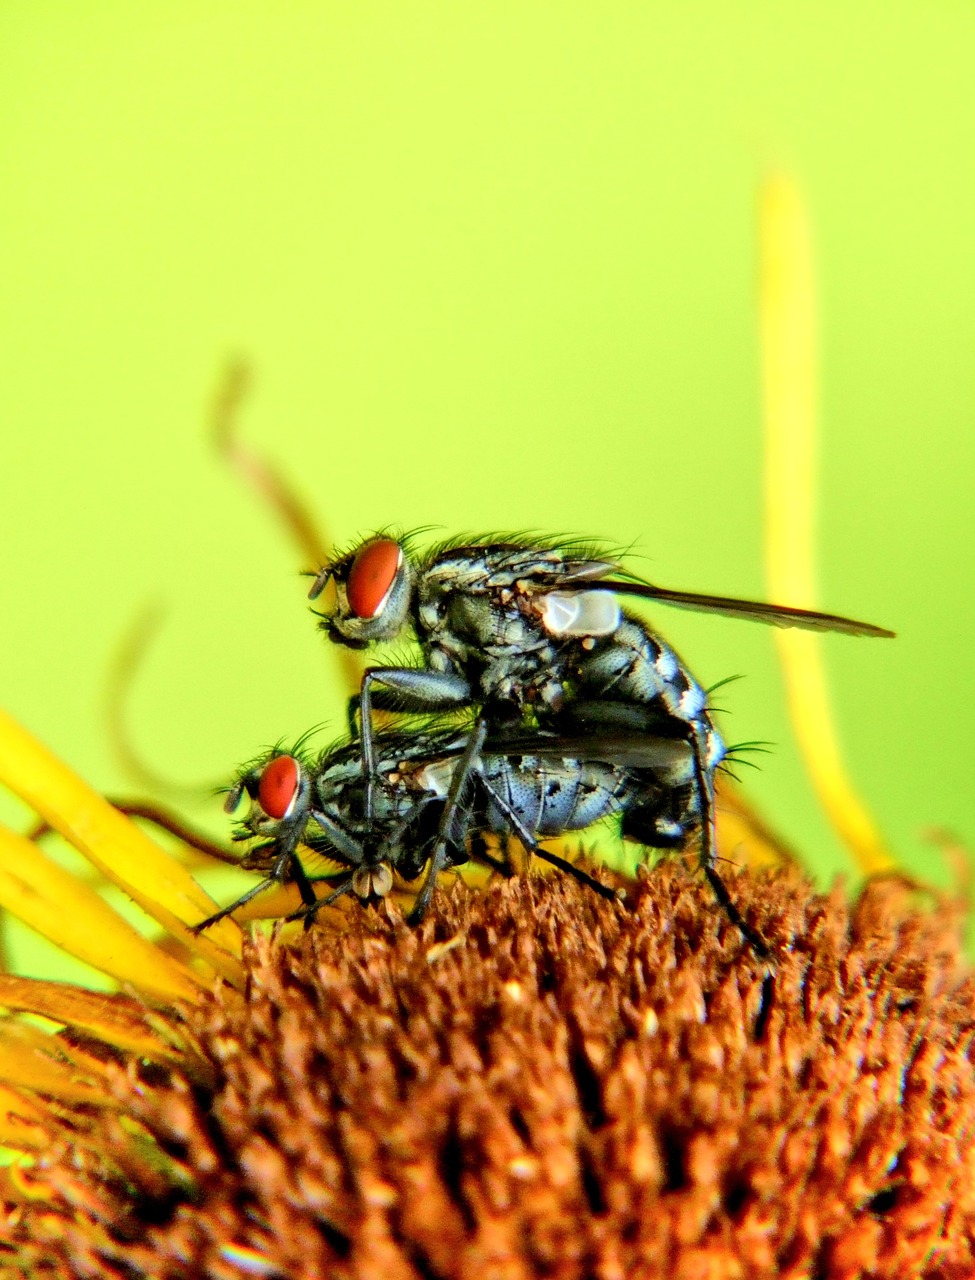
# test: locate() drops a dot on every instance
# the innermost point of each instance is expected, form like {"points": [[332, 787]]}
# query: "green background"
{"points": [[494, 265]]}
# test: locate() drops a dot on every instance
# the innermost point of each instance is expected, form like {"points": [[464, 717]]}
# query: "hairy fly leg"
{"points": [[413, 689], [705, 790], [287, 866], [670, 766], [665, 820], [459, 783]]}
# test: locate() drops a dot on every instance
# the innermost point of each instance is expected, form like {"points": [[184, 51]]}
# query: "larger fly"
{"points": [[532, 633]]}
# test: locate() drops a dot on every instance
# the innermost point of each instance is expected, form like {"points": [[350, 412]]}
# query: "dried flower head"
{"points": [[535, 1083]]}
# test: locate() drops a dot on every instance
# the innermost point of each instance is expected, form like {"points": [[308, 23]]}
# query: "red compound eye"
{"points": [[372, 574], [278, 787]]}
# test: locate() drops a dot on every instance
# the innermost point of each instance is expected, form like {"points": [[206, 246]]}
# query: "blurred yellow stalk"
{"points": [[787, 324]]}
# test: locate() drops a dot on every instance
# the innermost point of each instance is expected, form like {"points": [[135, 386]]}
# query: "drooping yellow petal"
{"points": [[120, 851], [788, 347], [23, 1124], [276, 492], [55, 903], [115, 1019], [26, 1062]]}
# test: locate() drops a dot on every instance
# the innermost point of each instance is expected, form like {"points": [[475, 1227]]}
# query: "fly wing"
{"points": [[778, 615], [534, 570], [614, 747], [614, 733]]}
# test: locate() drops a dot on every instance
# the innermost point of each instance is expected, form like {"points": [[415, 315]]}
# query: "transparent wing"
{"points": [[778, 615], [611, 732], [542, 569]]}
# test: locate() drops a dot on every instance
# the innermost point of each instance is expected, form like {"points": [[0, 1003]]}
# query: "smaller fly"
{"points": [[436, 793], [320, 805]]}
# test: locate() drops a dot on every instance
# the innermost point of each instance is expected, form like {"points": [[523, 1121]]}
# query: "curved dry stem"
{"points": [[130, 656], [275, 491]]}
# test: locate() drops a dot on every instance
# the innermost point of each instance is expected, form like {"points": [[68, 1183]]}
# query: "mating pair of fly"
{"points": [[548, 707]]}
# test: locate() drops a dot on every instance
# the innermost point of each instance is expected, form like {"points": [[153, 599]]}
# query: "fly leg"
{"points": [[705, 790], [287, 865], [645, 737], [412, 690], [310, 910], [244, 898], [455, 796], [350, 850], [532, 845]]}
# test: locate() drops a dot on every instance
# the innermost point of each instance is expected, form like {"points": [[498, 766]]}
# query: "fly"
{"points": [[449, 787], [532, 633]]}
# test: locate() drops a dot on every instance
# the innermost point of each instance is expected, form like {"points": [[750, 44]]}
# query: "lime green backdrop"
{"points": [[494, 266]]}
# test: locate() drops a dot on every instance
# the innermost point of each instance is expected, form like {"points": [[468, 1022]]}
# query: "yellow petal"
{"points": [[116, 1019], [55, 903], [116, 846], [22, 1123], [25, 1062], [787, 324]]}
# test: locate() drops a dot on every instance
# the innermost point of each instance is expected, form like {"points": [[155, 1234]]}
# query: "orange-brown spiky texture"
{"points": [[534, 1083]]}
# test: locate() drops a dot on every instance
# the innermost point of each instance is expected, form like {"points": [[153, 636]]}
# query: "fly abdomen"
{"points": [[602, 790], [517, 783], [551, 797], [558, 791], [633, 666], [545, 794]]}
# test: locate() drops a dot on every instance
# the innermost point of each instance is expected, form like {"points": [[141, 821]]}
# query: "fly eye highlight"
{"points": [[372, 577], [278, 788]]}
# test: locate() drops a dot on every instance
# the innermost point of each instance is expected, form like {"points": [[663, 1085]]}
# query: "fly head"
{"points": [[279, 790], [373, 594]]}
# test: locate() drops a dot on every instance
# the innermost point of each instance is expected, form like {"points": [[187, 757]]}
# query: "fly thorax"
{"points": [[453, 633], [484, 623], [440, 658], [521, 686]]}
